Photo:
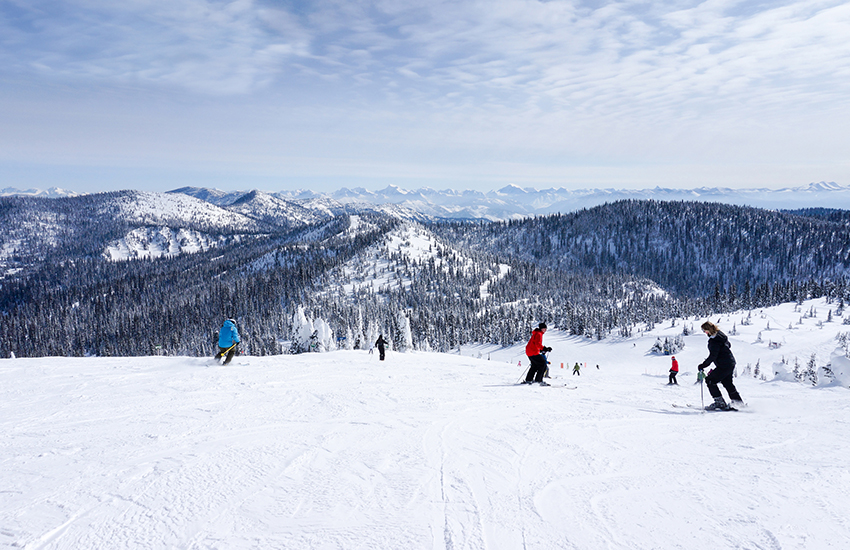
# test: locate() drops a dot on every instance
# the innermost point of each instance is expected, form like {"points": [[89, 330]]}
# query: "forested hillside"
{"points": [[612, 269], [691, 249]]}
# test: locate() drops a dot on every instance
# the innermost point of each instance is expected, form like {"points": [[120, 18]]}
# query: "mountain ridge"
{"points": [[513, 201]]}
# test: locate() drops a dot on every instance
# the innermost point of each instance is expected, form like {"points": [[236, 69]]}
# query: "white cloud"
{"points": [[545, 85], [614, 58]]}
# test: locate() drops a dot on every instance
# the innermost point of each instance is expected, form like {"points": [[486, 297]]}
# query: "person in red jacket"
{"points": [[535, 350], [674, 370]]}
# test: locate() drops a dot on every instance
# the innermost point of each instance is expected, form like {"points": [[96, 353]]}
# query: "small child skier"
{"points": [[674, 370]]}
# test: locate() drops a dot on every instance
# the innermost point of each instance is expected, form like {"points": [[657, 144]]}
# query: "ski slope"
{"points": [[425, 450]]}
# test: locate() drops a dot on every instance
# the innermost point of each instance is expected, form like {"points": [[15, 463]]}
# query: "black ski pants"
{"points": [[230, 354], [673, 374], [722, 376], [537, 368]]}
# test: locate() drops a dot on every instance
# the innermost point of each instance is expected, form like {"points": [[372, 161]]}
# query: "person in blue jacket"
{"points": [[228, 341]]}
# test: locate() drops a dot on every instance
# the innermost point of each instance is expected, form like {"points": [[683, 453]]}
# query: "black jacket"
{"points": [[719, 353]]}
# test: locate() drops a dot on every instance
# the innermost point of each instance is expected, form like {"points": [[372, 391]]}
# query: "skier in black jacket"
{"points": [[719, 353], [381, 343]]}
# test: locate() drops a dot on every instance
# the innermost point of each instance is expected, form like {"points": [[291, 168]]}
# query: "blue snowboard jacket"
{"points": [[228, 335]]}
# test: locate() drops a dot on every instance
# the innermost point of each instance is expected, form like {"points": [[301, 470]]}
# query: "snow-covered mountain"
{"points": [[511, 202], [51, 193], [272, 210], [177, 210], [382, 266]]}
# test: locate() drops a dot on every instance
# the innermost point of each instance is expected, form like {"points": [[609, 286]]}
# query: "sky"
{"points": [[276, 95]]}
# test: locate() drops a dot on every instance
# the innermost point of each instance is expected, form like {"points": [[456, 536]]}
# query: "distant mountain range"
{"points": [[510, 202], [51, 193]]}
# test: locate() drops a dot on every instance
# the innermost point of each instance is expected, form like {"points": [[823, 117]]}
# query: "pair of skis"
{"points": [[689, 406], [548, 385]]}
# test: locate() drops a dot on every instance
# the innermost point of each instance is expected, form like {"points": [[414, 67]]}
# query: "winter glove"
{"points": [[547, 350]]}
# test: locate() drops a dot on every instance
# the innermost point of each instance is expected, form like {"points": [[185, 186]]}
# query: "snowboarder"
{"points": [[577, 369], [719, 353], [534, 350], [228, 340], [380, 343], [674, 370]]}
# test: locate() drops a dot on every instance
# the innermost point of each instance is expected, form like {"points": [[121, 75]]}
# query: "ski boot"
{"points": [[718, 405]]}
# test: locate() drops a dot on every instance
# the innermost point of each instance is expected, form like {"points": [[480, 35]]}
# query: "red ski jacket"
{"points": [[675, 367], [535, 345]]}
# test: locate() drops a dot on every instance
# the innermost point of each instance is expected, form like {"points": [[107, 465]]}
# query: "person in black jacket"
{"points": [[719, 353], [381, 343]]}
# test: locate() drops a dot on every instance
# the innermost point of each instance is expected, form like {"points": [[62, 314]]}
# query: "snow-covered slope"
{"points": [[426, 450], [155, 242], [383, 265], [177, 210], [274, 211], [214, 196]]}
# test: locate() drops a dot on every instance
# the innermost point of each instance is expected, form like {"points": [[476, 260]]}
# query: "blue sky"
{"points": [[145, 94]]}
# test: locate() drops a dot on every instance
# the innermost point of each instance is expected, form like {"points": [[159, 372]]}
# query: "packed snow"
{"points": [[341, 451]]}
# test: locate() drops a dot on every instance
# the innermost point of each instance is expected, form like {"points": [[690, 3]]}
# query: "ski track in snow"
{"points": [[421, 451]]}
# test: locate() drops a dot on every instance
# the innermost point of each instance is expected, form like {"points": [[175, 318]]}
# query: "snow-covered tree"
{"points": [[668, 346], [404, 338], [811, 373], [324, 336], [358, 341], [371, 335], [302, 332]]}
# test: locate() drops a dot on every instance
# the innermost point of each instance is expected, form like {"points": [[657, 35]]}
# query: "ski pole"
{"points": [[701, 377], [522, 376], [224, 353]]}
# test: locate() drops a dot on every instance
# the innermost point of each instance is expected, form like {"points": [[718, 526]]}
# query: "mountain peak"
{"points": [[393, 190], [825, 186], [512, 189]]}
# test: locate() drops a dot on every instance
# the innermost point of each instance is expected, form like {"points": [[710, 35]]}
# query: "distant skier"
{"points": [[719, 353], [534, 350], [380, 343], [577, 369], [674, 370], [228, 341]]}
